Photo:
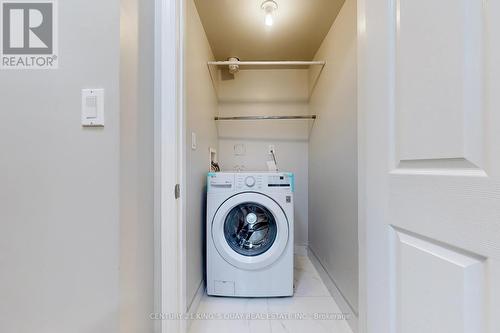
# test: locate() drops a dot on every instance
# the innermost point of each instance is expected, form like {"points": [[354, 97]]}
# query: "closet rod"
{"points": [[265, 117], [267, 63]]}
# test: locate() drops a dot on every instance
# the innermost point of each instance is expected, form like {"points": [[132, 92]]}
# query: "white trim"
{"points": [[362, 225], [337, 295], [182, 166], [375, 132], [169, 254]]}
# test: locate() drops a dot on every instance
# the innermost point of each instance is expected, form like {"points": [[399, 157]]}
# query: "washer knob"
{"points": [[250, 181]]}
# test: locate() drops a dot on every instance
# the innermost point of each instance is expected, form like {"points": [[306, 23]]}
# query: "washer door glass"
{"points": [[250, 229]]}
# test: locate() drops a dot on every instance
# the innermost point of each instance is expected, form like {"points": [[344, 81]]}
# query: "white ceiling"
{"points": [[236, 28]]}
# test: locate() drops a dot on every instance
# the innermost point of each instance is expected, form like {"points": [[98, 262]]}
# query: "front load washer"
{"points": [[250, 234]]}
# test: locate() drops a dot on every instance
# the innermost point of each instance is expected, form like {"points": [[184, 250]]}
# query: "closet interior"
{"points": [[255, 86]]}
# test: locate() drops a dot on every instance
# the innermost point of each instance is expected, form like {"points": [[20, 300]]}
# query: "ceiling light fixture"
{"points": [[269, 6]]}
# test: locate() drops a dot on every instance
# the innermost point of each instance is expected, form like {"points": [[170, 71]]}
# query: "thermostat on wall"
{"points": [[93, 107]]}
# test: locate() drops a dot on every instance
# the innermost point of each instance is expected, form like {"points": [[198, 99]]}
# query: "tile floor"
{"points": [[265, 315]]}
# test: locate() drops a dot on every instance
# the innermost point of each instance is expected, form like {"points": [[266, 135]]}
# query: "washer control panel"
{"points": [[280, 181], [229, 182], [219, 182], [265, 182], [251, 182]]}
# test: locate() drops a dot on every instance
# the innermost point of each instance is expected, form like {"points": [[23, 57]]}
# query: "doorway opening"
{"points": [[280, 99]]}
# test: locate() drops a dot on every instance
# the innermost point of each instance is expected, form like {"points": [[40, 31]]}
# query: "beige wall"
{"points": [[201, 107], [59, 192], [136, 165], [268, 92], [76, 231], [333, 234]]}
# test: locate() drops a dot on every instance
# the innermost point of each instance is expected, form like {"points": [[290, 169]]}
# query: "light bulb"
{"points": [[269, 19], [269, 6]]}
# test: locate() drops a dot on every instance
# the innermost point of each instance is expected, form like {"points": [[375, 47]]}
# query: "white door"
{"points": [[429, 101]]}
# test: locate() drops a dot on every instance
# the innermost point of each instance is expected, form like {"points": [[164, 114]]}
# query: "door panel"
{"points": [[437, 283], [429, 103], [439, 78]]}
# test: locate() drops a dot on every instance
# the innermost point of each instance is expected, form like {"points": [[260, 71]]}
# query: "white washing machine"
{"points": [[250, 234]]}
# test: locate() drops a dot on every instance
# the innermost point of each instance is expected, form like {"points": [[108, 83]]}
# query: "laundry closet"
{"points": [[283, 80]]}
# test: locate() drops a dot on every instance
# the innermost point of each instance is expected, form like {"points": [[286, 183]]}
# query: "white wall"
{"points": [[136, 166], [201, 107], [59, 192], [333, 234], [268, 92]]}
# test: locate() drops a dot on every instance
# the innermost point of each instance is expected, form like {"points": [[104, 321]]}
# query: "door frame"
{"points": [[170, 301], [170, 235], [374, 98], [371, 161]]}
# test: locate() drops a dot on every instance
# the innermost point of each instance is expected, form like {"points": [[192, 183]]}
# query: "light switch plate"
{"points": [[93, 107]]}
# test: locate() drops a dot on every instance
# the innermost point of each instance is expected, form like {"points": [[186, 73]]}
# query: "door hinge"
{"points": [[177, 191]]}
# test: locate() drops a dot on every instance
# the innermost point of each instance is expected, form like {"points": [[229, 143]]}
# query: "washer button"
{"points": [[250, 181]]}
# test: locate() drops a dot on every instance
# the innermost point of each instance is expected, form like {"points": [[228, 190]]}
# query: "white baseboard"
{"points": [[300, 250], [195, 303], [334, 291]]}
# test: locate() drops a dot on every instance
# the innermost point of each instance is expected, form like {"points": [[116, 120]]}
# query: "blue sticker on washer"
{"points": [[292, 180], [210, 175]]}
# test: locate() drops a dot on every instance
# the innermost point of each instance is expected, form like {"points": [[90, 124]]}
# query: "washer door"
{"points": [[250, 230]]}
